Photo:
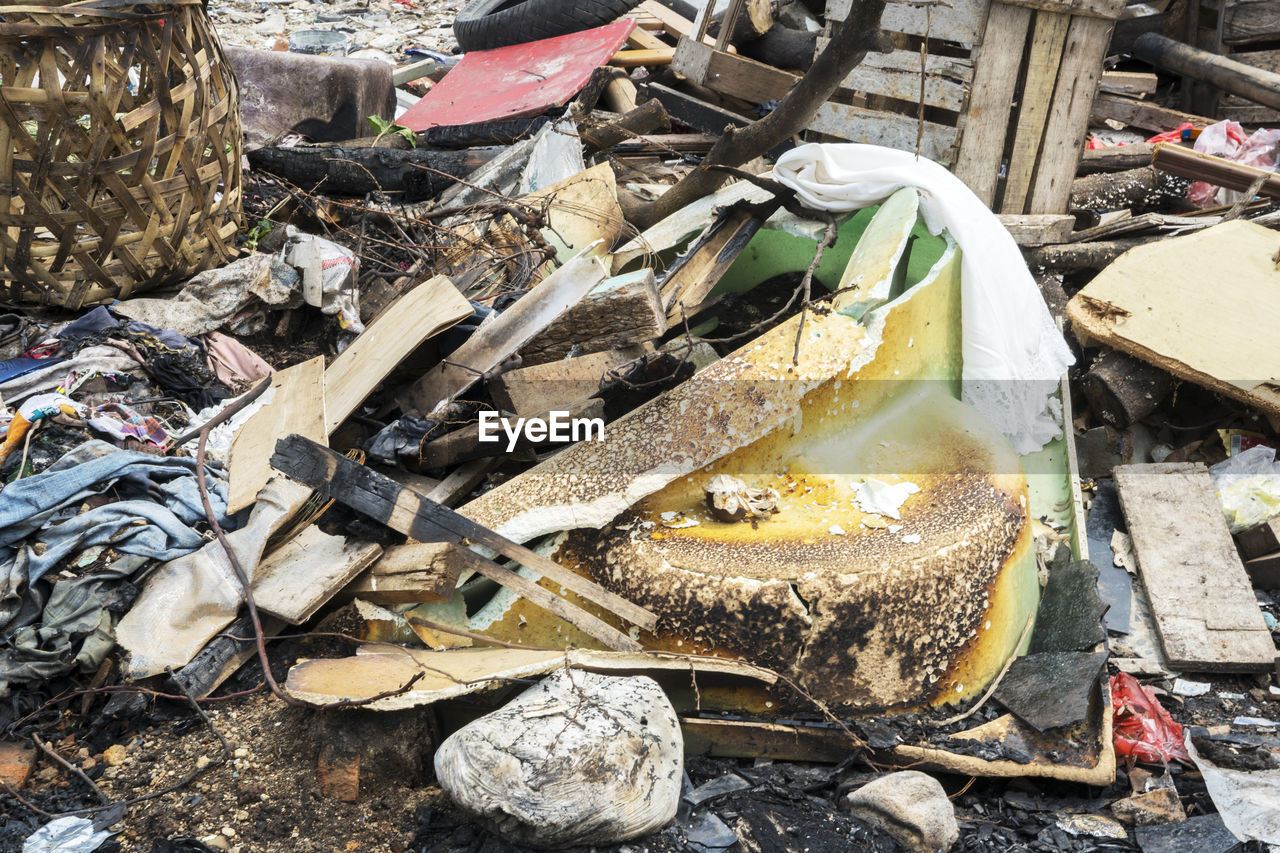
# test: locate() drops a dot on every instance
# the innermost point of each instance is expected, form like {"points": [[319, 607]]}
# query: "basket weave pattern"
{"points": [[119, 149]]}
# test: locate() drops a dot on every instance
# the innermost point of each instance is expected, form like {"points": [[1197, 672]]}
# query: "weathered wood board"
{"points": [[294, 404], [1201, 307], [296, 579], [1246, 21], [1205, 610], [427, 310], [858, 124], [620, 311], [960, 21]]}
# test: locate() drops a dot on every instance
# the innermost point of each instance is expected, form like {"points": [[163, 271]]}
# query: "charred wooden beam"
{"points": [[419, 173]]}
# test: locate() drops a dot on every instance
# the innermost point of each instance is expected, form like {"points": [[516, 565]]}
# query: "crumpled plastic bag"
{"points": [[65, 835], [1227, 139], [1142, 728], [1248, 486], [328, 272]]}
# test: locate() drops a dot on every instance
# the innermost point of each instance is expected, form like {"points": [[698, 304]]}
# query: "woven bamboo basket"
{"points": [[119, 149]]}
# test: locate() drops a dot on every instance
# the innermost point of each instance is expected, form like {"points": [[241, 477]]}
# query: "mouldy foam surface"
{"points": [[864, 617]]}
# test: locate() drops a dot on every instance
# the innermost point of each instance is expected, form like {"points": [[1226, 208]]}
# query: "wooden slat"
{"points": [[417, 516], [695, 274], [294, 404], [892, 130], [991, 102], [673, 23], [897, 75], [1073, 99], [1203, 603], [1143, 114], [1048, 39], [1104, 9], [961, 21]]}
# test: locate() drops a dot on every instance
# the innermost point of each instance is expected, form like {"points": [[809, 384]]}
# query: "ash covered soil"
{"points": [[388, 26]]}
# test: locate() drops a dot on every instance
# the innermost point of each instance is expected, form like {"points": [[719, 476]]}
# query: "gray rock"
{"points": [[909, 805]]}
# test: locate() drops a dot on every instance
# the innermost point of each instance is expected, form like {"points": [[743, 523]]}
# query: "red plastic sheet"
{"points": [[516, 81], [1143, 729]]}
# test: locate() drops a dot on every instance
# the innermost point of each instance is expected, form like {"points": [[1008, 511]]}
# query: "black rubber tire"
{"points": [[485, 24]]}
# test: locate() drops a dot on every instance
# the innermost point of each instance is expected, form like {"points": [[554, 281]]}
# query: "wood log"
{"points": [[1072, 257], [622, 310], [1117, 158], [1145, 188], [1122, 390], [419, 173], [1193, 165], [502, 132], [646, 118], [1256, 84]]}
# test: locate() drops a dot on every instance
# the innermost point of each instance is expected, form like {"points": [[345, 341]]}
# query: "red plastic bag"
{"points": [[1142, 728], [1174, 135]]}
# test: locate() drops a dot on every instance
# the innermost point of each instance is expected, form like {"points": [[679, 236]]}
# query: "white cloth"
{"points": [[1013, 352]]}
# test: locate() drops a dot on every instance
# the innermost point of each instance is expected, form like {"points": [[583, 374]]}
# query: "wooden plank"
{"points": [[1048, 39], [1069, 121], [414, 515], [897, 75], [494, 342], [299, 577], [1143, 114], [991, 101], [556, 385], [1038, 230], [1247, 21], [693, 276], [857, 124], [1131, 83], [959, 21], [432, 575], [622, 310], [695, 112], [731, 75], [641, 39], [1153, 303], [1203, 603], [294, 403], [1105, 9], [461, 481], [418, 315]]}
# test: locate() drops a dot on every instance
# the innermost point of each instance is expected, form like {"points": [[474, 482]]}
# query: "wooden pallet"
{"points": [[1007, 90], [1034, 83]]}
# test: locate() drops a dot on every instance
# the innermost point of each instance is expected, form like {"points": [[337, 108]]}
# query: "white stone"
{"points": [[577, 759]]}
